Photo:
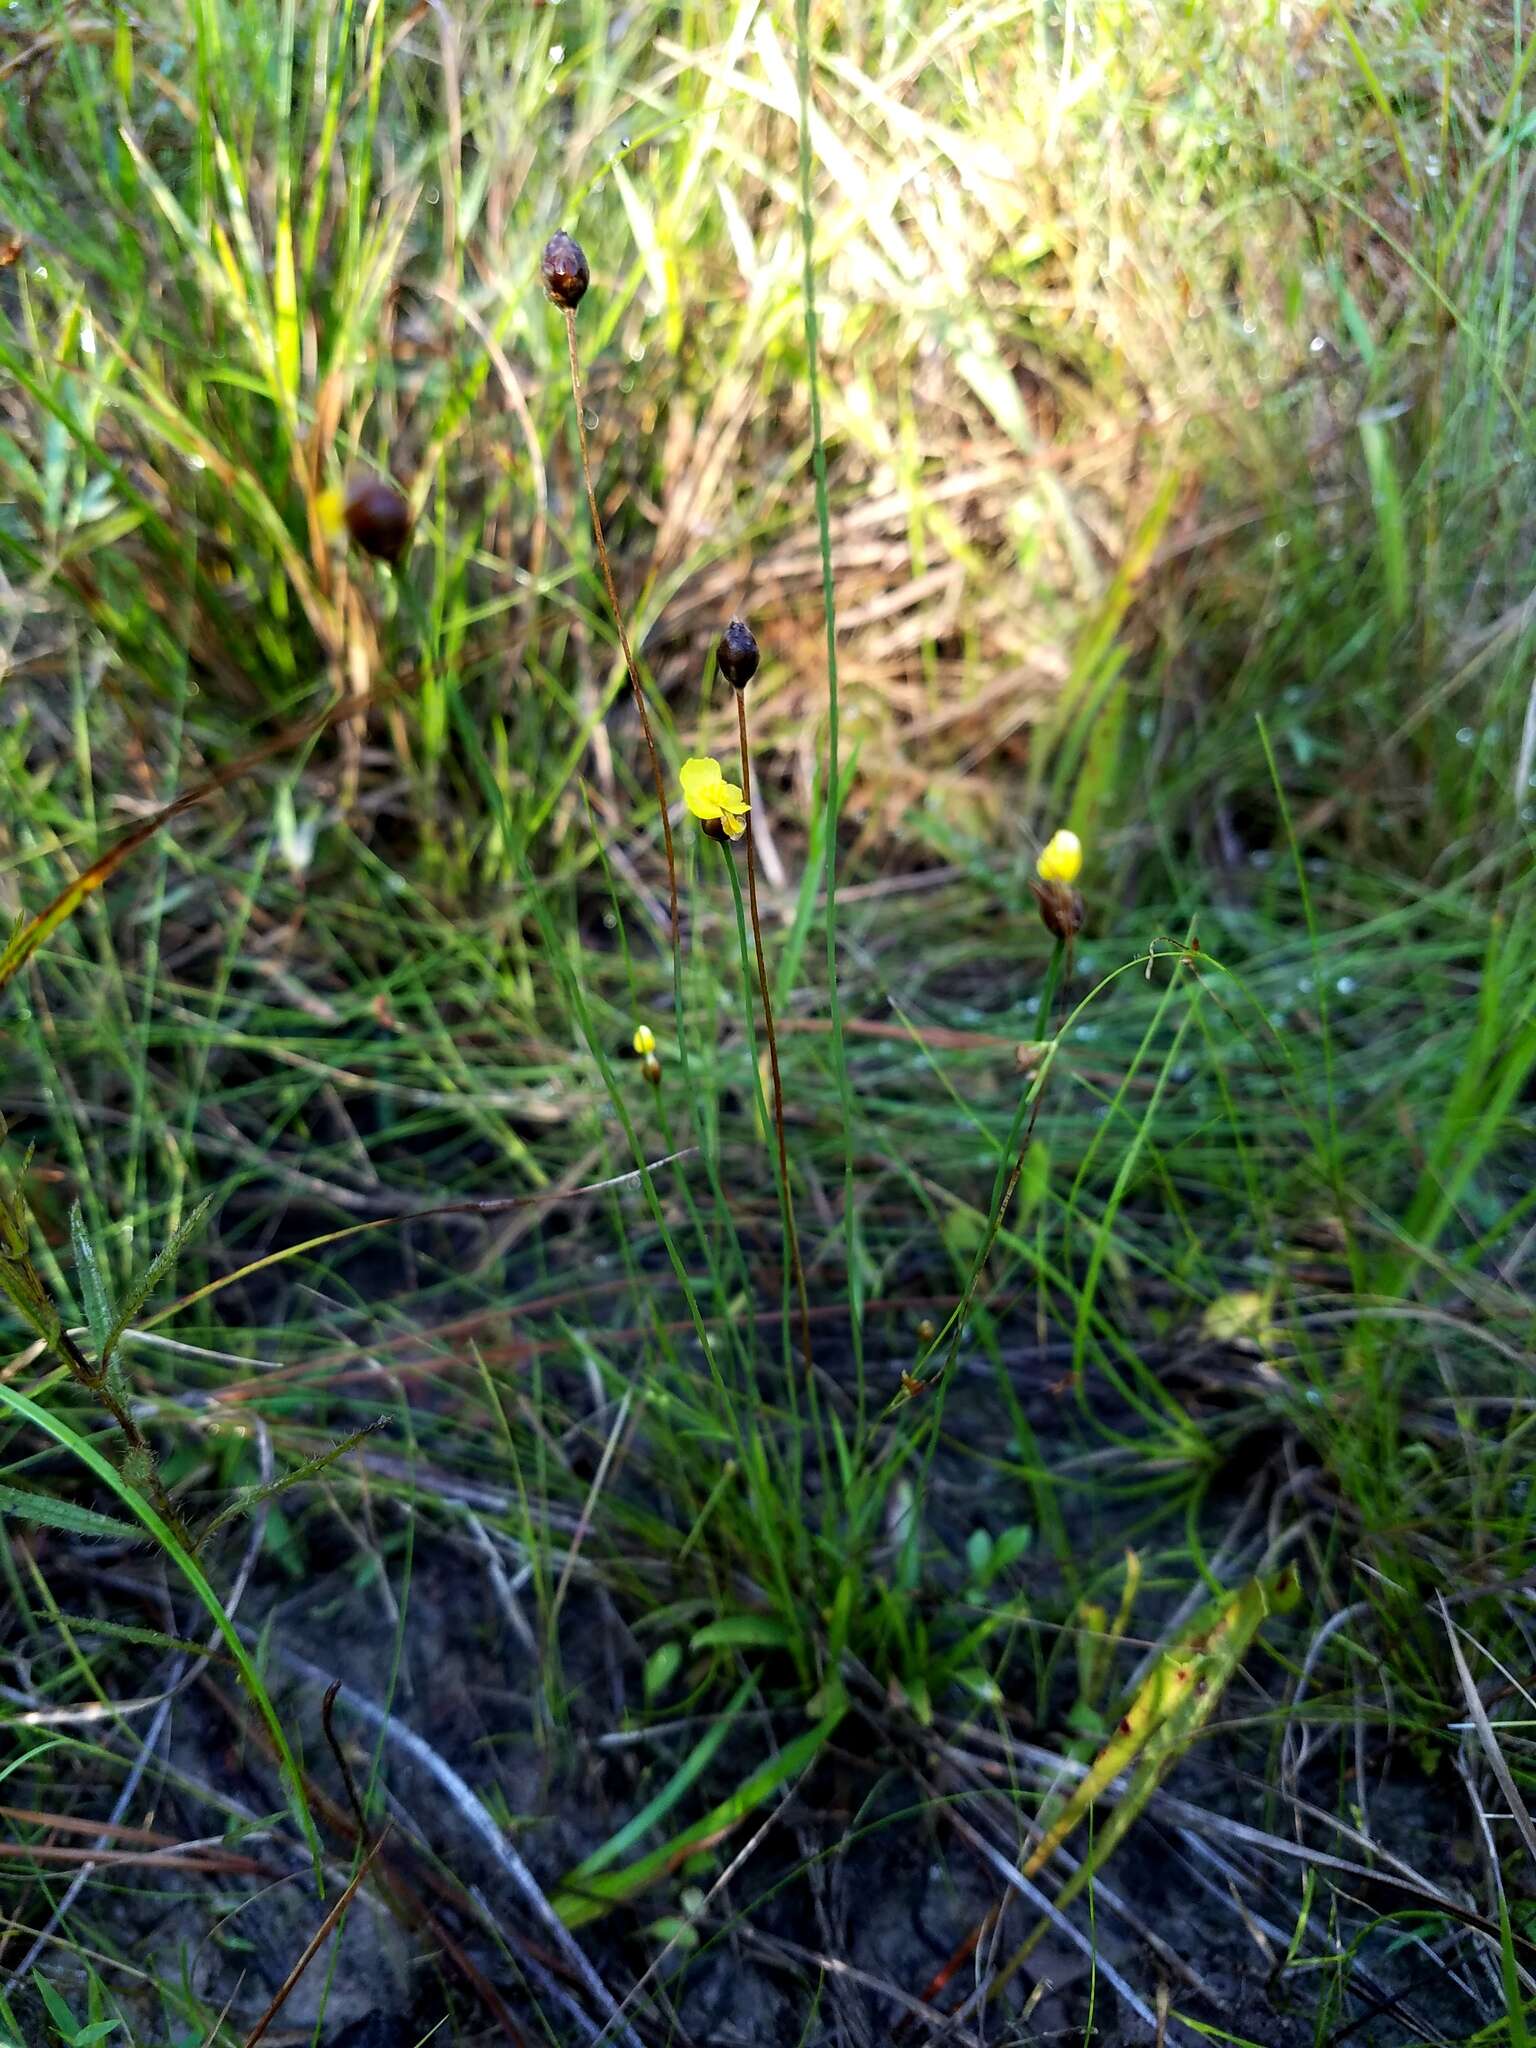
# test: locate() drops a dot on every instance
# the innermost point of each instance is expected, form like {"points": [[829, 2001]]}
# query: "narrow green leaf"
{"points": [[661, 1667], [63, 2019], [745, 1632], [597, 1895], [141, 1289], [95, 1298], [47, 1512], [656, 1809], [1391, 522], [29, 1411]]}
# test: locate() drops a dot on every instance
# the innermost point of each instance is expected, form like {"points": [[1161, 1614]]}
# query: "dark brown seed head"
{"points": [[650, 1066], [1061, 909], [737, 654], [713, 829], [378, 518], [564, 270]]}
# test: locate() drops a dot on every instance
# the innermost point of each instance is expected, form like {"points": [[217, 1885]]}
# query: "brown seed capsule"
{"points": [[1061, 909], [650, 1066], [564, 270], [736, 655], [713, 829], [378, 518], [925, 1331]]}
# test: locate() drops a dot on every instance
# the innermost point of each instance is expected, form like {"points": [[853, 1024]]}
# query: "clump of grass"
{"points": [[1254, 1216]]}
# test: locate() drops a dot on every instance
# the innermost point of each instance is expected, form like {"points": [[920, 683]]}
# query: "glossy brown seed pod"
{"points": [[564, 270], [378, 518], [736, 656]]}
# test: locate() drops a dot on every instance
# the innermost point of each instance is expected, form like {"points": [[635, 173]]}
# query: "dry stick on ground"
{"points": [[618, 617], [791, 1235]]}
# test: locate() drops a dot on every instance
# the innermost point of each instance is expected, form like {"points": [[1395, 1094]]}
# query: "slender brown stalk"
{"points": [[618, 616], [791, 1235]]}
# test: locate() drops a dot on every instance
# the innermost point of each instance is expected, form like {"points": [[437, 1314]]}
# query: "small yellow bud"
{"points": [[644, 1040], [1062, 860]]}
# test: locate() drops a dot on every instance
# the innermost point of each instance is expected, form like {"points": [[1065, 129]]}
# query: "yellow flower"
{"points": [[1062, 860], [331, 514], [712, 799], [644, 1040]]}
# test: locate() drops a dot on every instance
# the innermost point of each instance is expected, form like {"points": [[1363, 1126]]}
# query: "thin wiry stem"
{"points": [[618, 617], [829, 609], [791, 1235]]}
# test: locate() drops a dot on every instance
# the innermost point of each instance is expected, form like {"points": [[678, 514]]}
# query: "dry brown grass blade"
{"points": [[228, 1861], [29, 935]]}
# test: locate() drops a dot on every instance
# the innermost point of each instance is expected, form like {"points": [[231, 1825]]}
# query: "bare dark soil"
{"points": [[852, 1895]]}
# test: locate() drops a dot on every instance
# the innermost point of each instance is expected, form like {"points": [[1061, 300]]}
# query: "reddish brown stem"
{"points": [[791, 1236], [618, 616]]}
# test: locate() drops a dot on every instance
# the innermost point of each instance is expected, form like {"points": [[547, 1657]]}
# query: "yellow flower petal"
{"points": [[709, 796], [644, 1040], [1062, 860], [731, 825], [694, 773]]}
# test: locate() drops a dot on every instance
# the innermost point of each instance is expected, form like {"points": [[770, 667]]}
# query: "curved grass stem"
{"points": [[791, 1235], [635, 685]]}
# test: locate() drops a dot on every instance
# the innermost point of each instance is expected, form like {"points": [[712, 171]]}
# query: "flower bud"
{"points": [[378, 518], [564, 270], [1061, 860], [650, 1066], [644, 1040], [736, 655]]}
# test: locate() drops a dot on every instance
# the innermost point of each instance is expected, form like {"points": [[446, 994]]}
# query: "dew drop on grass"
{"points": [[1465, 736], [1317, 344], [1282, 541], [589, 419], [1346, 984], [433, 195]]}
